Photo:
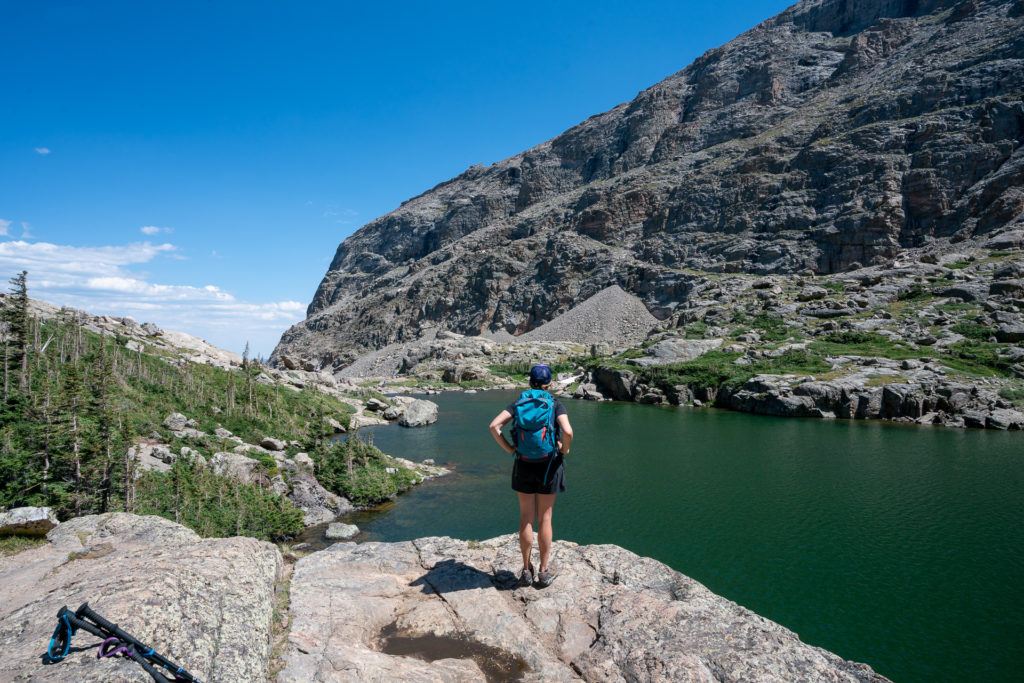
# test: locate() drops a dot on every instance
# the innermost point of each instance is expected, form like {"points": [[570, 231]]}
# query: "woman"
{"points": [[541, 436]]}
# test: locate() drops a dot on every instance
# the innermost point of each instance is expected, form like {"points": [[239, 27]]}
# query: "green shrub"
{"points": [[793, 361], [712, 369], [833, 286], [915, 292], [1016, 395], [12, 545], [520, 371], [357, 470], [213, 505], [977, 358], [695, 330], [860, 343], [719, 368], [972, 330], [771, 327]]}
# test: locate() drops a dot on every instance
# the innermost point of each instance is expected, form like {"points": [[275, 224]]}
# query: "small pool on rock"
{"points": [[496, 664]]}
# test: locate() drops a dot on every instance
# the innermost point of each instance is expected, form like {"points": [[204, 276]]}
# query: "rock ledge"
{"points": [[609, 616]]}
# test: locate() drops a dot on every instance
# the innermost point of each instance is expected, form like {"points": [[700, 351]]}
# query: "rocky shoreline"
{"points": [[433, 609], [931, 402]]}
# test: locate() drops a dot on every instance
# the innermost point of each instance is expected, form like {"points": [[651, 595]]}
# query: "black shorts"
{"points": [[543, 476]]}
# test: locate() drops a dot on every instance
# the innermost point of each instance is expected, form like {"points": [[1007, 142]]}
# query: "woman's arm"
{"points": [[565, 430], [496, 424]]}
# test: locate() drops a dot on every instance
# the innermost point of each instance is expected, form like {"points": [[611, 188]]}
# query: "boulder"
{"points": [[163, 453], [336, 426], [974, 419], [27, 521], [236, 466], [609, 616], [272, 444], [680, 395], [1005, 418], [811, 294], [336, 531], [177, 422], [419, 413], [676, 351], [193, 456], [151, 330], [826, 312], [205, 603], [278, 485], [652, 397], [903, 400], [1007, 287], [290, 363], [965, 291], [149, 456], [588, 392], [318, 505], [1010, 333], [392, 412], [614, 383], [376, 405], [302, 460]]}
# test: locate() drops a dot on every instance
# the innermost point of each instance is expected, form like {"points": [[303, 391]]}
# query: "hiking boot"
{"points": [[545, 577], [526, 577]]}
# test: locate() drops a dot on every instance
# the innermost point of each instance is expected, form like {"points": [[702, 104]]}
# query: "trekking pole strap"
{"points": [[60, 641]]}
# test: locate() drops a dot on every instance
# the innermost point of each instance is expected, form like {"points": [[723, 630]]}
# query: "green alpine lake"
{"points": [[899, 546]]}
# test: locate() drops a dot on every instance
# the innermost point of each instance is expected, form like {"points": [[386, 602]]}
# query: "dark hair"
{"points": [[537, 384]]}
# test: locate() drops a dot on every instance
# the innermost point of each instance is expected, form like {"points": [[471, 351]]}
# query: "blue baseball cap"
{"points": [[541, 374]]}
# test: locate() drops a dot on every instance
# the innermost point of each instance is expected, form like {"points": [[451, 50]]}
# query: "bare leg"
{"points": [[545, 506], [527, 509]]}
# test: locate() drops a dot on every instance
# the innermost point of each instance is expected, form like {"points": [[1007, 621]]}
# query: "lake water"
{"points": [[898, 546]]}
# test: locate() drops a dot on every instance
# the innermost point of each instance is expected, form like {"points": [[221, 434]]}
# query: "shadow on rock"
{"points": [[449, 576]]}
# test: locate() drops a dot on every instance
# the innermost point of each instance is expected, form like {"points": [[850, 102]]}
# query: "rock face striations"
{"points": [[840, 132]]}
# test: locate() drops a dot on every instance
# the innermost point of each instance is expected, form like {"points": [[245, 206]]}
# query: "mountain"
{"points": [[835, 135]]}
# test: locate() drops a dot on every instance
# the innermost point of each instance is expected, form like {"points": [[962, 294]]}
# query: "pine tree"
{"points": [[129, 466], [104, 413], [74, 430], [249, 370], [17, 320]]}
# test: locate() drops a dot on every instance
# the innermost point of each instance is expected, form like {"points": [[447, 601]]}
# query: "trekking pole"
{"points": [[138, 651], [68, 623], [116, 642]]}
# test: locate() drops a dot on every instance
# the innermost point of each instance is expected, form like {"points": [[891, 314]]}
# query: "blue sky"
{"points": [[197, 163]]}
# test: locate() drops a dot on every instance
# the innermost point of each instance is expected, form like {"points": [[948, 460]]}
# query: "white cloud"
{"points": [[154, 230], [42, 150], [101, 280], [25, 232], [3, 226]]}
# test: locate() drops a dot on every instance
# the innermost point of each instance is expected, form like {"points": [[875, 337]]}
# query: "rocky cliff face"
{"points": [[840, 132]]}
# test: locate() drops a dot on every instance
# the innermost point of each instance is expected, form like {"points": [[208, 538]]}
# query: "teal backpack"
{"points": [[533, 430]]}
